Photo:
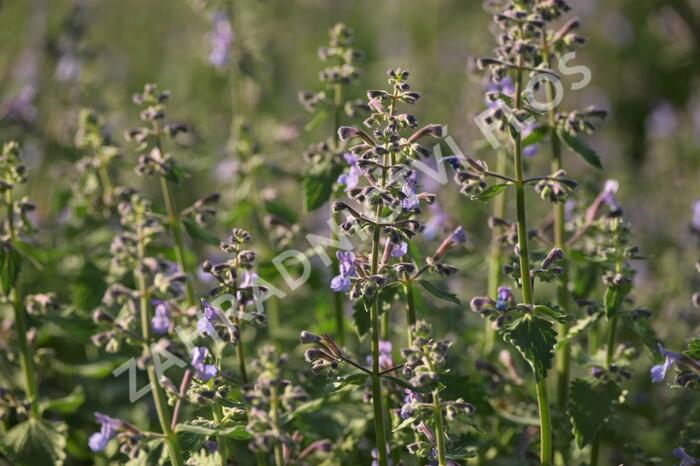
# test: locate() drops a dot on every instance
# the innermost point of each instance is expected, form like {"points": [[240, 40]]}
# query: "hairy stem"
{"points": [[542, 398], [218, 413], [563, 357], [376, 378], [410, 305], [274, 414], [240, 353], [174, 222], [31, 385], [496, 255], [158, 394], [439, 434]]}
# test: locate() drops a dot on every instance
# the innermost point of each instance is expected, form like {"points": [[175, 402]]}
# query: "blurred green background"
{"points": [[58, 56]]}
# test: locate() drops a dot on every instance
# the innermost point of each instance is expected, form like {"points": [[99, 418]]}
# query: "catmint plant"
{"points": [[326, 157], [128, 313], [155, 161], [425, 360], [389, 193]]}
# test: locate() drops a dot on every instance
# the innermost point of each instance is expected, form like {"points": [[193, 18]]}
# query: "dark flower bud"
{"points": [[308, 337], [347, 132], [554, 255], [339, 206]]}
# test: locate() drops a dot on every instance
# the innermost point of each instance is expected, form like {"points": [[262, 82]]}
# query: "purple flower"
{"points": [[686, 459], [346, 262], [205, 325], [696, 216], [504, 299], [504, 86], [436, 223], [221, 39], [108, 429], [410, 202], [203, 371], [410, 400], [531, 149], [400, 249], [385, 359], [459, 235], [161, 321], [454, 161], [663, 121], [658, 372], [341, 284], [352, 178], [608, 195]]}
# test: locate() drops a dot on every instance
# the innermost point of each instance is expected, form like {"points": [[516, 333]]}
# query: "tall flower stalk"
{"points": [[382, 158], [13, 174], [340, 73]]}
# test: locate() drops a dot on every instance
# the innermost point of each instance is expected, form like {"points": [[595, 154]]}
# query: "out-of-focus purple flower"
{"points": [[436, 223], [410, 202], [663, 121], [686, 459], [161, 320], [108, 429], [696, 216], [352, 177], [459, 235], [400, 249], [68, 67], [203, 371], [385, 359], [505, 298], [608, 195], [221, 39], [205, 325], [532, 149], [658, 372], [346, 262]]}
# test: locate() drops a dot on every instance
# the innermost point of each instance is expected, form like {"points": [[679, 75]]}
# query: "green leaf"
{"points": [[460, 454], [614, 295], [534, 338], [10, 262], [354, 379], [67, 404], [489, 193], [581, 148], [36, 442], [590, 404], [439, 292], [361, 318], [579, 328], [402, 383], [535, 136], [554, 312], [198, 233], [237, 431], [318, 183], [693, 350]]}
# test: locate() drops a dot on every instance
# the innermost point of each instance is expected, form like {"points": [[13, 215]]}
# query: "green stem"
{"points": [[158, 393], [240, 353], [376, 379], [496, 255], [563, 357], [31, 385], [439, 433], [595, 451], [338, 299], [274, 414], [218, 413], [174, 222], [410, 305], [542, 398], [545, 423], [611, 342]]}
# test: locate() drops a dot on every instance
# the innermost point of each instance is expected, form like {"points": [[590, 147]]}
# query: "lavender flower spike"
{"points": [[696, 216], [108, 429], [221, 38], [205, 325]]}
